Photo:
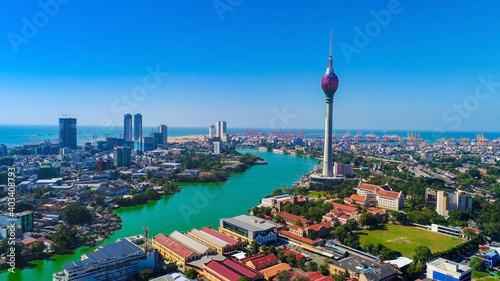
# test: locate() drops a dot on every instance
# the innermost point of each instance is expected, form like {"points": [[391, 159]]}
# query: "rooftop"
{"points": [[173, 245], [447, 265], [189, 242], [250, 223]]}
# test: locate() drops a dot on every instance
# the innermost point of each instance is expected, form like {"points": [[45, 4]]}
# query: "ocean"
{"points": [[17, 135]]}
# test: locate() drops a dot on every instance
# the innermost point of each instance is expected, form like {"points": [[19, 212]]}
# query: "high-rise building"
{"points": [[149, 143], [216, 147], [220, 129], [137, 126], [127, 127], [211, 132], [121, 156], [67, 133], [163, 130], [447, 201], [329, 84]]}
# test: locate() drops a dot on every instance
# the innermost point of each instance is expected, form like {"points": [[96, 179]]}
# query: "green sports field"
{"points": [[405, 238]]}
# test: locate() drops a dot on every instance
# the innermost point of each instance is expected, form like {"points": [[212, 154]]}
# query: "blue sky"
{"points": [[252, 63]]}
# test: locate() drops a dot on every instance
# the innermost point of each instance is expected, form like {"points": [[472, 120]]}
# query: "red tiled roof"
{"points": [[356, 197], [344, 208], [376, 211], [388, 194], [177, 248], [293, 226], [316, 227], [28, 241], [293, 218], [217, 268], [241, 268], [369, 187], [325, 278], [313, 276], [219, 235], [265, 259], [299, 238]]}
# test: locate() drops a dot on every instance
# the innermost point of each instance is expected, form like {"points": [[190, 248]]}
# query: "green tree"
{"points": [[422, 254], [264, 249], [272, 249], [255, 248], [291, 259], [75, 214], [243, 279], [312, 234], [282, 256], [301, 263], [478, 264], [312, 266], [145, 274], [191, 273], [368, 219], [298, 222], [99, 200], [64, 239], [284, 275], [36, 250]]}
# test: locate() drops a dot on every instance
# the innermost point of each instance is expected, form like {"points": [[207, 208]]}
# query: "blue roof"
{"points": [[116, 250], [491, 254]]}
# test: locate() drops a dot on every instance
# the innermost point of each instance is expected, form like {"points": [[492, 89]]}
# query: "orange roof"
{"points": [[299, 238], [28, 241], [168, 243], [293, 218], [317, 226], [369, 187], [265, 259], [344, 208], [356, 197], [293, 226], [273, 270], [388, 194], [374, 210]]}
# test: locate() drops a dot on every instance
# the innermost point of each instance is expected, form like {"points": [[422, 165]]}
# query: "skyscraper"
{"points": [[137, 126], [163, 130], [329, 84], [127, 127], [211, 132], [221, 130], [67, 133]]}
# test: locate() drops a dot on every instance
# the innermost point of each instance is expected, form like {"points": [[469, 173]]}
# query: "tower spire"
{"points": [[330, 58]]}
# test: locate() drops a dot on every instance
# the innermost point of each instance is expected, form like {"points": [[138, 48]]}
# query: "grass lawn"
{"points": [[482, 276], [315, 194], [405, 238]]}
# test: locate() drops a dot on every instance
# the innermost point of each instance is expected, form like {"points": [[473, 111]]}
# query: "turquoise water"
{"points": [[199, 204], [17, 135]]}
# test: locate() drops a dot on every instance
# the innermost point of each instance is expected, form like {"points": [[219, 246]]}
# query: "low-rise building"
{"points": [[249, 228], [115, 261], [222, 243], [381, 197], [270, 272], [229, 270], [262, 262], [445, 270]]}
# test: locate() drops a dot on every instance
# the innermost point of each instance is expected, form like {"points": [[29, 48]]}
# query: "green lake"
{"points": [[197, 205]]}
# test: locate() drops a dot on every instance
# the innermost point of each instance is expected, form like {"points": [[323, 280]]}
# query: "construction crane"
{"points": [[481, 140]]}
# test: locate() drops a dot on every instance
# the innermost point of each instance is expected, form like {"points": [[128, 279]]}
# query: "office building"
{"points": [[211, 132], [121, 156], [340, 169], [23, 220], [221, 131], [149, 143], [127, 127], [445, 270], [444, 202], [248, 228], [115, 261], [381, 197], [163, 130], [137, 126], [216, 147], [67, 133], [211, 237]]}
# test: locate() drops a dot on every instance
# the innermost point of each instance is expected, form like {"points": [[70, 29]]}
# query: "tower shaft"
{"points": [[327, 157]]}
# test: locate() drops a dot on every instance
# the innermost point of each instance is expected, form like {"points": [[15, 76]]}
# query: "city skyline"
{"points": [[253, 68]]}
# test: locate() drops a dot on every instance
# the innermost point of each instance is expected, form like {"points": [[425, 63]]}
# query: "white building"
{"points": [[381, 197], [115, 261], [216, 147], [211, 132], [445, 202], [221, 127], [446, 270]]}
